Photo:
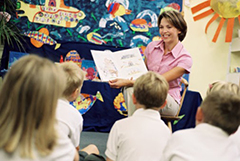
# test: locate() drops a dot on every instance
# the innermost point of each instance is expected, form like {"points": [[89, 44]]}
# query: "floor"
{"points": [[97, 138]]}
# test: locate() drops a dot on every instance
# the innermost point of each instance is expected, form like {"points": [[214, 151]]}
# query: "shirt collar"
{"points": [[175, 51], [212, 130], [147, 112]]}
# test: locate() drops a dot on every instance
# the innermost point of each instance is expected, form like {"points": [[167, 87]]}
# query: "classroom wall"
{"points": [[209, 58]]}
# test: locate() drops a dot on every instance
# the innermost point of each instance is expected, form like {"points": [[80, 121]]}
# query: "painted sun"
{"points": [[227, 10]]}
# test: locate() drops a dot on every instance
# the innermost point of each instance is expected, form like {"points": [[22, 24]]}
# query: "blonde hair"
{"points": [[75, 77], [219, 85], [29, 95], [151, 90]]}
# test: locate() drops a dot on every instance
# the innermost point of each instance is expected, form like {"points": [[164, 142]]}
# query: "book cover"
{"points": [[14, 56], [90, 68], [125, 64]]}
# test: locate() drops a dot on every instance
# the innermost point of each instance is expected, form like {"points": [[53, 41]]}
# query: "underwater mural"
{"points": [[124, 23]]}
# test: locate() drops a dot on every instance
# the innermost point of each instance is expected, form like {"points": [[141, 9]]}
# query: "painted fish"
{"points": [[38, 38], [116, 9], [95, 38], [85, 101], [140, 25]]}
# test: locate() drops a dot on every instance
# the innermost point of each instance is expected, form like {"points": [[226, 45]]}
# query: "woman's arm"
{"points": [[174, 73], [118, 83]]}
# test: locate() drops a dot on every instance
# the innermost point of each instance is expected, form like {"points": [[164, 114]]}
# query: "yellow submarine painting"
{"points": [[54, 12]]}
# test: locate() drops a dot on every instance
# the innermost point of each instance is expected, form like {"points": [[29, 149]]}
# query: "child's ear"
{"points": [[164, 104], [199, 116], [134, 99]]}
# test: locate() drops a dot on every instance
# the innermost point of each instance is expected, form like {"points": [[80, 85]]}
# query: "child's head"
{"points": [[29, 95], [151, 90], [75, 77], [219, 85], [222, 109], [176, 19]]}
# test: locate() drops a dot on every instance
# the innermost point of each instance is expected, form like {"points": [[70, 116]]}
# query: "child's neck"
{"points": [[138, 106]]}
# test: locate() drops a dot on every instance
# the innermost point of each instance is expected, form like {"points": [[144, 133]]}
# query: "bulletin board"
{"points": [[128, 23]]}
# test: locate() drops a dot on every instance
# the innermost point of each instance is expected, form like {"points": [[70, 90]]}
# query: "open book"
{"points": [[125, 64]]}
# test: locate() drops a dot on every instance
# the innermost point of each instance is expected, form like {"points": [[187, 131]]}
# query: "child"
{"points": [[142, 136], [70, 121], [29, 95], [218, 85], [217, 118]]}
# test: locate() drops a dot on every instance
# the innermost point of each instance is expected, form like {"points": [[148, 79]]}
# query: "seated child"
{"points": [[142, 136], [218, 85], [217, 118], [29, 95], [70, 121]]}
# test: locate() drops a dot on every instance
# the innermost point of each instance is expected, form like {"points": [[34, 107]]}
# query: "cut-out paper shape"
{"points": [[224, 9], [120, 105], [54, 12], [5, 15], [38, 38], [117, 9], [90, 68], [140, 25], [95, 38], [14, 56], [74, 57], [84, 102]]}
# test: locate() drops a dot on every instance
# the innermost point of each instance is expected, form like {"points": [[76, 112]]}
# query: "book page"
{"points": [[129, 63], [125, 64], [105, 64]]}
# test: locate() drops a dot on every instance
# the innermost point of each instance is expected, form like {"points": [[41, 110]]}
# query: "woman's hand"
{"points": [[118, 83]]}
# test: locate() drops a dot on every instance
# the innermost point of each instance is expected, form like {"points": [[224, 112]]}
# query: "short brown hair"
{"points": [[222, 109], [177, 20], [75, 77], [151, 90]]}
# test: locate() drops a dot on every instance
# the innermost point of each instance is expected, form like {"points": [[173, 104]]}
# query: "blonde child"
{"points": [[70, 121], [142, 136], [29, 95]]}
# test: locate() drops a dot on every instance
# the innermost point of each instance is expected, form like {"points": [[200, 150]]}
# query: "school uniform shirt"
{"points": [[203, 143], [70, 121], [160, 63], [141, 137], [235, 138], [63, 151]]}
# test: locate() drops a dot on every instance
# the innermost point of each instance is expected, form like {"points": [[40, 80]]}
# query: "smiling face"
{"points": [[168, 32]]}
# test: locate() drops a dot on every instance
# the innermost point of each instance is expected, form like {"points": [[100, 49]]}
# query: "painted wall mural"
{"points": [[129, 23]]}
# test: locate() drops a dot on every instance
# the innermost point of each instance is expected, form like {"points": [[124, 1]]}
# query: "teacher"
{"points": [[168, 57]]}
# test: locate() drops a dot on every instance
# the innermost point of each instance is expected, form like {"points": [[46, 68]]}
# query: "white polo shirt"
{"points": [[203, 143], [70, 121], [63, 151], [141, 137], [235, 138]]}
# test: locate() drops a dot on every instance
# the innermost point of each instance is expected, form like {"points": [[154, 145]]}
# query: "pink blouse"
{"points": [[160, 63]]}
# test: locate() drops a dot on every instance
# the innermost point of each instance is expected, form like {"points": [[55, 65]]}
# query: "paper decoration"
{"points": [[90, 68], [120, 105], [38, 38], [74, 57], [224, 9], [14, 56], [84, 102], [121, 23], [54, 12]]}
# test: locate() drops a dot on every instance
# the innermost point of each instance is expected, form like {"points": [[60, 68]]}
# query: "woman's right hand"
{"points": [[118, 83]]}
